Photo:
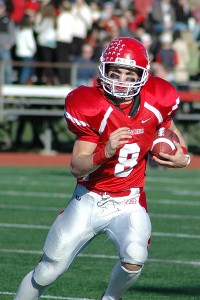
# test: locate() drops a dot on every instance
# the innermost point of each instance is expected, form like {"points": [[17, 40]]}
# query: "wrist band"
{"points": [[189, 159], [99, 158], [186, 154]]}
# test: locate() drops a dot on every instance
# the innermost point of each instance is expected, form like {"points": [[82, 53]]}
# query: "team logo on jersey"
{"points": [[146, 120], [78, 197], [137, 131]]}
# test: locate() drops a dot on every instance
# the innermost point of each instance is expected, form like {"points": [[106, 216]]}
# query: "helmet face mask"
{"points": [[125, 53]]}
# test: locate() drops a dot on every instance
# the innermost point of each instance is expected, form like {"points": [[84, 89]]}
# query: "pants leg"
{"points": [[130, 232]]}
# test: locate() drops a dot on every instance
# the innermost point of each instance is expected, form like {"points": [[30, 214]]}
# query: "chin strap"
{"points": [[135, 104]]}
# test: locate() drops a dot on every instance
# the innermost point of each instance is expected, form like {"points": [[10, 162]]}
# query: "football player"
{"points": [[115, 123]]}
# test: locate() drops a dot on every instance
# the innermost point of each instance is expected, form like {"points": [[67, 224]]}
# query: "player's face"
{"points": [[122, 74], [122, 78]]}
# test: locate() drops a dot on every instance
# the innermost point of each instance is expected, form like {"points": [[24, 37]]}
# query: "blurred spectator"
{"points": [[7, 40], [193, 64], [45, 23], [162, 16], [167, 56], [160, 71], [107, 14], [26, 49], [93, 36], [35, 123], [107, 19], [86, 71], [124, 29], [18, 10], [181, 75], [132, 22], [125, 4], [83, 16], [9, 6], [142, 7], [149, 43], [32, 5], [196, 30], [96, 11], [100, 46], [183, 14], [114, 31], [64, 33]]}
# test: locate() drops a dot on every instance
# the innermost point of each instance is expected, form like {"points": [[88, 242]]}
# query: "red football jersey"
{"points": [[92, 117]]}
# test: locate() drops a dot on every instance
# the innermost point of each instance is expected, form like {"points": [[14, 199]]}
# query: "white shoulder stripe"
{"points": [[154, 111], [175, 106], [104, 121], [74, 120]]}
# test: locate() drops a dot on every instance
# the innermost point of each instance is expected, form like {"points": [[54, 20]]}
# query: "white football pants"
{"points": [[123, 219]]}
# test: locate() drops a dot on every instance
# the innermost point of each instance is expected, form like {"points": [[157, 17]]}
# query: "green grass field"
{"points": [[30, 199]]}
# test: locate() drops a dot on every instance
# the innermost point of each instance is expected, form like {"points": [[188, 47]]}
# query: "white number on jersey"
{"points": [[128, 156]]}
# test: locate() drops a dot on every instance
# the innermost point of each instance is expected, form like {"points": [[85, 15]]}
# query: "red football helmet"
{"points": [[124, 52]]}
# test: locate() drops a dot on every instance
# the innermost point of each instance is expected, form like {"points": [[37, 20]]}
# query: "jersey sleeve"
{"points": [[164, 98], [81, 115], [172, 101]]}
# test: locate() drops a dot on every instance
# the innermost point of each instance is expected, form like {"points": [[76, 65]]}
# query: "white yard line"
{"points": [[30, 207], [188, 192], [161, 234], [173, 216], [175, 202], [49, 297], [174, 191], [176, 235], [24, 226], [20, 179], [102, 256], [34, 194], [174, 180], [57, 209], [22, 182]]}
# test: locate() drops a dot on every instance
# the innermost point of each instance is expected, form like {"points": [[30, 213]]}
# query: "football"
{"points": [[163, 142]]}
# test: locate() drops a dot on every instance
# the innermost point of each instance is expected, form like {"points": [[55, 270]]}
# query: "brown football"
{"points": [[163, 142]]}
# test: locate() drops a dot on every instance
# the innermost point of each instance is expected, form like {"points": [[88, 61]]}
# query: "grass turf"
{"points": [[31, 198]]}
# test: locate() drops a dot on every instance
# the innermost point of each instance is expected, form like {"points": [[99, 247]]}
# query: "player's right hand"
{"points": [[116, 139]]}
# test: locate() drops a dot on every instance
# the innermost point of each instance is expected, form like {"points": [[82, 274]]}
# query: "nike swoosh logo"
{"points": [[144, 121]]}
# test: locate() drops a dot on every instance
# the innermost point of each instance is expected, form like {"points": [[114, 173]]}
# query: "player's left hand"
{"points": [[179, 160]]}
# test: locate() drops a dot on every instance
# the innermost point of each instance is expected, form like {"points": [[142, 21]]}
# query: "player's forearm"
{"points": [[181, 139], [83, 165]]}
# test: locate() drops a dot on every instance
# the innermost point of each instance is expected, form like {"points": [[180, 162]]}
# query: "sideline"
{"points": [[57, 160], [35, 159]]}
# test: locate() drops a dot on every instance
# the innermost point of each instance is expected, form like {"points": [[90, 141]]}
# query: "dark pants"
{"points": [[63, 52]]}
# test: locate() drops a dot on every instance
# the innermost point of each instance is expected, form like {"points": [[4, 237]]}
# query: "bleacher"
{"points": [[48, 102], [35, 101]]}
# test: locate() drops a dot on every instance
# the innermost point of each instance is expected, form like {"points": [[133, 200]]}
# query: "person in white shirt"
{"points": [[44, 26], [83, 15], [65, 25], [25, 49]]}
